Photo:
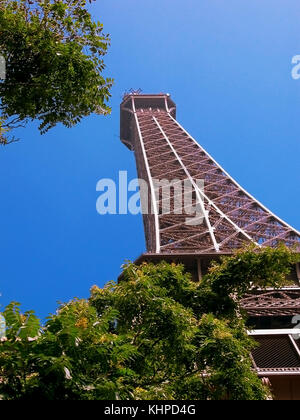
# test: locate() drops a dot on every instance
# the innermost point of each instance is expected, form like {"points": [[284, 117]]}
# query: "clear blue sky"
{"points": [[227, 65]]}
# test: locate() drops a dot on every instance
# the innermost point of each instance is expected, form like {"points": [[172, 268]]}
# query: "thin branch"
{"points": [[4, 141]]}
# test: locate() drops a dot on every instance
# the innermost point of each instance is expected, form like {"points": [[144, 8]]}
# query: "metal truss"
{"points": [[284, 302], [230, 215]]}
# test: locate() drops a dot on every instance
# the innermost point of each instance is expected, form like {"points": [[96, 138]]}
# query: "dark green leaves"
{"points": [[154, 335], [54, 58]]}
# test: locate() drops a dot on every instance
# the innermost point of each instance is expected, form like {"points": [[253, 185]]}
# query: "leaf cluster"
{"points": [[54, 63], [156, 334]]}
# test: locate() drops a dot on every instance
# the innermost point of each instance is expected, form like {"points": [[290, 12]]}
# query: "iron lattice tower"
{"points": [[165, 150], [231, 216]]}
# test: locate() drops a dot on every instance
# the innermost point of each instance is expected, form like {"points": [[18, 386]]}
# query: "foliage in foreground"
{"points": [[54, 64], [154, 335]]}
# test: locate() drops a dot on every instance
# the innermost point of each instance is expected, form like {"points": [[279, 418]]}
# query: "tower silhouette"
{"points": [[226, 218]]}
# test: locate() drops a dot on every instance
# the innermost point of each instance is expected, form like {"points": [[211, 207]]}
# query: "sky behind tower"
{"points": [[226, 64]]}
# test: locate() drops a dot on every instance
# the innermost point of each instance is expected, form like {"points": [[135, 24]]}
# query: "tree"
{"points": [[54, 63], [154, 335]]}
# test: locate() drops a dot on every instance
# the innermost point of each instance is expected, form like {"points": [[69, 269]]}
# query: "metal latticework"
{"points": [[165, 151], [276, 352], [285, 302]]}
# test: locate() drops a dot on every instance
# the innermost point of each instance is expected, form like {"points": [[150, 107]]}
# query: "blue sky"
{"points": [[227, 65]]}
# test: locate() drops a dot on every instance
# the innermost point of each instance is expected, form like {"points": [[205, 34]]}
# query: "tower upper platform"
{"points": [[133, 102]]}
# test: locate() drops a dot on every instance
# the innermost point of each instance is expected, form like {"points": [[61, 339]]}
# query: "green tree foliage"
{"points": [[54, 64], [154, 335]]}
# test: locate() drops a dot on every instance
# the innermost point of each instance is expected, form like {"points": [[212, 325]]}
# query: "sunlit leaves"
{"points": [[154, 335], [54, 64]]}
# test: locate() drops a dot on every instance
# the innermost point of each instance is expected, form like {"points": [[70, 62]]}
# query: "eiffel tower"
{"points": [[230, 217]]}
